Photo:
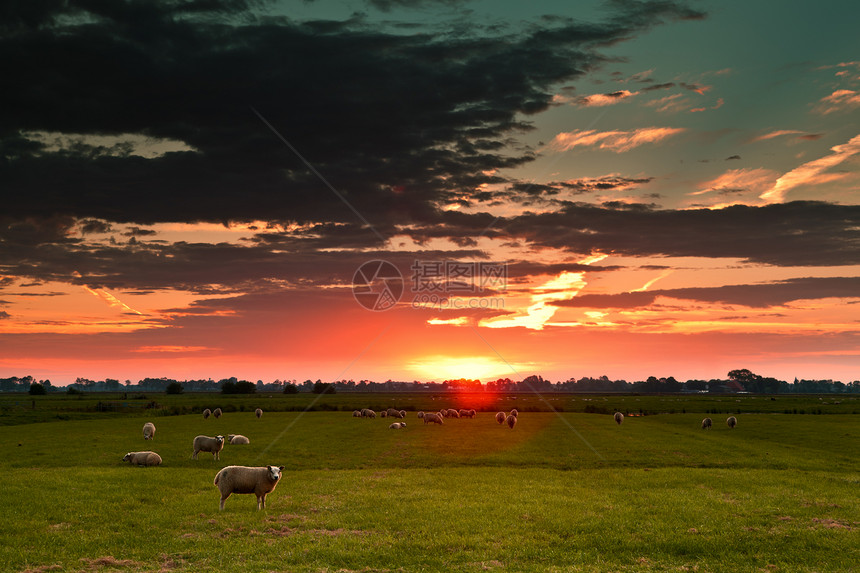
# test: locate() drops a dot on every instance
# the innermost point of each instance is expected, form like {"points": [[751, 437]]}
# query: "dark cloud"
{"points": [[371, 110], [663, 86], [4, 314], [732, 157], [790, 234], [751, 295]]}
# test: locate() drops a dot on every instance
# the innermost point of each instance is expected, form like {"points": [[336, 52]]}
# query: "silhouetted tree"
{"points": [[37, 390], [174, 388]]}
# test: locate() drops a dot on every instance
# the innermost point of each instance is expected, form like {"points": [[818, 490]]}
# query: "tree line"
{"points": [[740, 380]]}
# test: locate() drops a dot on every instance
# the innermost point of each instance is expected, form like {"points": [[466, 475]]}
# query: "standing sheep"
{"points": [[259, 413], [397, 426], [732, 422], [500, 417], [432, 419], [142, 458], [206, 413], [514, 413], [619, 417], [217, 412], [237, 440], [149, 431], [208, 444], [421, 414], [243, 479], [706, 424], [511, 421], [356, 414], [452, 413]]}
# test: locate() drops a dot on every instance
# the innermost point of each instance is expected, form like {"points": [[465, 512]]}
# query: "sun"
{"points": [[441, 367]]}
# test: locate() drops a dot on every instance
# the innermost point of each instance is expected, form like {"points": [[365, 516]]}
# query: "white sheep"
{"points": [[511, 421], [421, 414], [237, 439], [397, 426], [514, 413], [383, 414], [149, 431], [258, 412], [732, 422], [452, 413], [430, 418], [243, 479], [142, 458], [500, 417], [706, 424], [206, 413], [402, 414], [356, 414], [619, 417], [208, 444], [217, 412]]}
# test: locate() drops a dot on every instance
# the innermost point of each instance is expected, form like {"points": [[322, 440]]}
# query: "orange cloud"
{"points": [[813, 172], [600, 100], [755, 180], [840, 100], [618, 141]]}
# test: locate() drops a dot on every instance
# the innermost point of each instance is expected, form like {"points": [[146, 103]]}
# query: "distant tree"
{"points": [[291, 389], [242, 387], [321, 387], [37, 390], [174, 388], [71, 390]]}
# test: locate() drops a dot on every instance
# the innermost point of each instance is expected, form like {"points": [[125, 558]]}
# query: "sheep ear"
{"points": [[281, 468]]}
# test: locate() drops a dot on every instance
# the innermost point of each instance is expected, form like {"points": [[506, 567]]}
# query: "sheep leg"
{"points": [[261, 502], [223, 499]]}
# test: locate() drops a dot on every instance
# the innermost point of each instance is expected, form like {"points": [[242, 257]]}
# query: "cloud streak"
{"points": [[616, 140]]}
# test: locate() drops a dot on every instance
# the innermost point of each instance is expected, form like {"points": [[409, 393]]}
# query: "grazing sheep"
{"points": [[243, 479], [367, 413], [420, 414], [732, 422], [208, 444], [463, 412], [206, 413], [433, 419], [472, 413], [217, 412], [237, 440], [452, 413], [383, 414], [619, 417], [356, 414], [500, 417], [511, 421], [142, 458], [397, 426], [149, 431], [706, 424], [514, 413], [258, 412]]}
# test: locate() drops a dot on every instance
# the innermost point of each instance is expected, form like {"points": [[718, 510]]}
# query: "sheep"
{"points": [[237, 440], [452, 413], [206, 413], [514, 413], [706, 424], [142, 458], [421, 414], [397, 426], [619, 417], [383, 414], [367, 413], [149, 431], [217, 412], [463, 412], [243, 479], [430, 418], [392, 413], [732, 422], [259, 413], [500, 417], [511, 421], [356, 414], [208, 444]]}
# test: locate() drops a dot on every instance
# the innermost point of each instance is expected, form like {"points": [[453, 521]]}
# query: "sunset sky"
{"points": [[191, 189]]}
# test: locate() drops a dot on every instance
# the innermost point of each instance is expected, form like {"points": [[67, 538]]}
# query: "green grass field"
{"points": [[561, 492]]}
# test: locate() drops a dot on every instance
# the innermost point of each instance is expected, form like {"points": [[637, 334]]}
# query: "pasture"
{"points": [[570, 491]]}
